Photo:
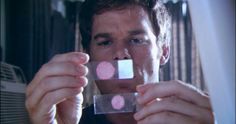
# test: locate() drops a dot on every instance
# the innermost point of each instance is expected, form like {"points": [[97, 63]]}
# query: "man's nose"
{"points": [[121, 52]]}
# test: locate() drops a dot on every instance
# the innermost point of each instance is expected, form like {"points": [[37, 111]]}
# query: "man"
{"points": [[117, 30]]}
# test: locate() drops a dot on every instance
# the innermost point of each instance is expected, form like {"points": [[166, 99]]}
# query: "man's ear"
{"points": [[165, 54]]}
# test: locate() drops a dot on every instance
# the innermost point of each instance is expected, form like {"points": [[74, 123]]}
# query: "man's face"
{"points": [[126, 34]]}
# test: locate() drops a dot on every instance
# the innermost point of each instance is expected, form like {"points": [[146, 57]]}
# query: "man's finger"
{"points": [[51, 84], [44, 109], [75, 57], [172, 88], [172, 104], [167, 118], [56, 69]]}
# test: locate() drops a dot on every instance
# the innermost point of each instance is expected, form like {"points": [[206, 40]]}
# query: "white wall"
{"points": [[214, 27]]}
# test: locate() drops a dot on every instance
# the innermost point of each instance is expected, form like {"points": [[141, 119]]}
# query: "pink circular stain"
{"points": [[105, 70], [118, 102]]}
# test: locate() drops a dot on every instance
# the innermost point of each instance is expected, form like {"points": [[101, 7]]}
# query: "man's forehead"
{"points": [[128, 11], [131, 17]]}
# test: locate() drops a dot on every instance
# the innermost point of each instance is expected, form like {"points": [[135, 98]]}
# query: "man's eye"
{"points": [[104, 43], [137, 41]]}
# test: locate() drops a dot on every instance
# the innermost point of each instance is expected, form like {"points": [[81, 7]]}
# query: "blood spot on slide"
{"points": [[118, 102], [105, 70]]}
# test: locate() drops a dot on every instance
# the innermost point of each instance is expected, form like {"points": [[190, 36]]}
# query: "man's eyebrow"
{"points": [[137, 32], [102, 35]]}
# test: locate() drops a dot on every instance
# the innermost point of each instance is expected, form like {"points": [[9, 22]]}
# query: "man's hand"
{"points": [[172, 102], [55, 93]]}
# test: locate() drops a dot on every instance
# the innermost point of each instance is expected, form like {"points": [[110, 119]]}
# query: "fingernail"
{"points": [[80, 58], [75, 59], [82, 80], [139, 87], [80, 70], [84, 58], [136, 116], [138, 99]]}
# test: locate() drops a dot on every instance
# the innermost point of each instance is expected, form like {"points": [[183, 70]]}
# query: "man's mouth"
{"points": [[126, 89], [126, 85]]}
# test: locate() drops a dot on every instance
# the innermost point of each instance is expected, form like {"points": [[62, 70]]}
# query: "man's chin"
{"points": [[119, 91], [119, 86], [125, 90]]}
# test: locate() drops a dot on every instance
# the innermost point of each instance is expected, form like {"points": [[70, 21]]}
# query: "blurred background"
{"points": [[33, 31]]}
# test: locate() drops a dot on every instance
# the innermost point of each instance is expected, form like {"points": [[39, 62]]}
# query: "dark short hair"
{"points": [[155, 9]]}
